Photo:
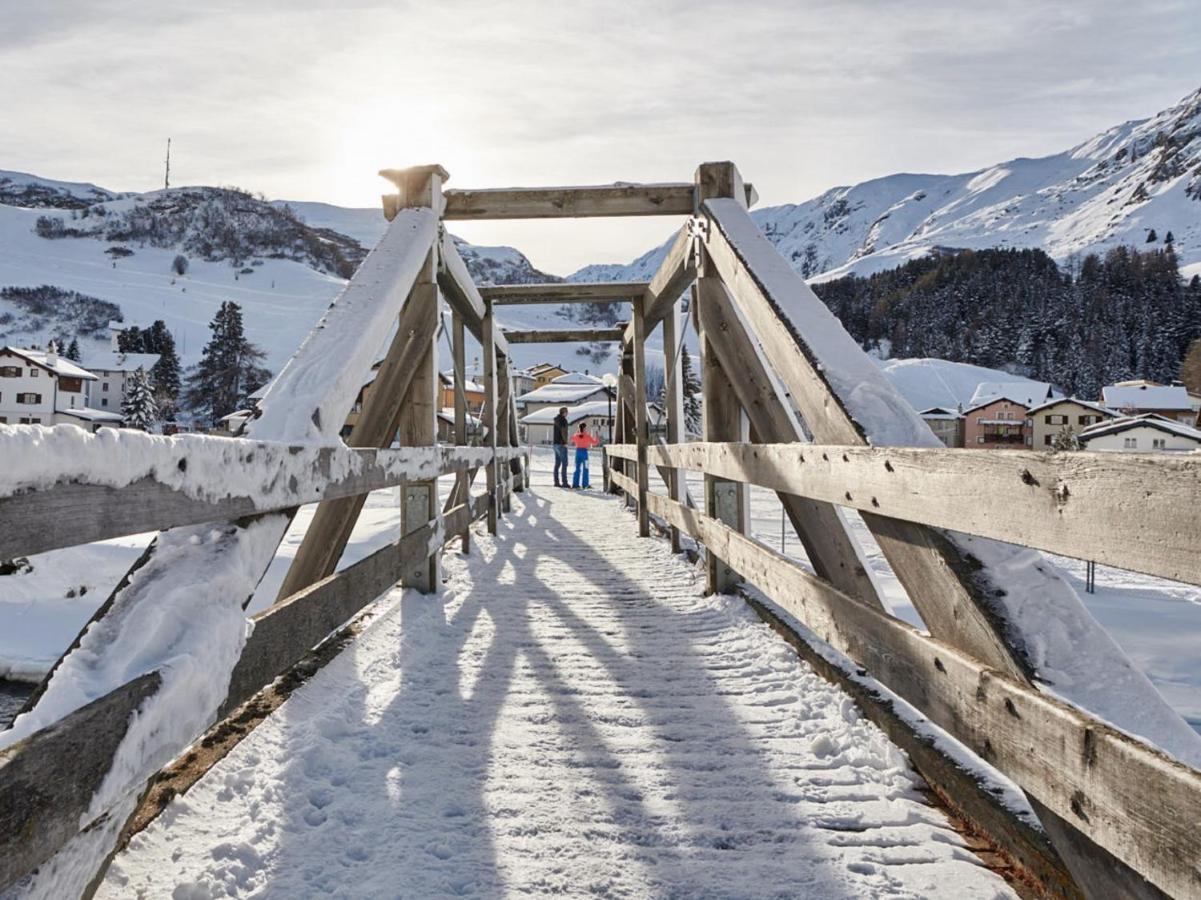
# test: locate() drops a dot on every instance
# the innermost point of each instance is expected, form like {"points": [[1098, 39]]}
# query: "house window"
{"points": [[10, 371], [27, 420], [29, 398], [3, 420], [1159, 443], [1130, 443], [1056, 420], [104, 401], [980, 440], [1089, 420], [104, 387], [33, 373], [1047, 439]]}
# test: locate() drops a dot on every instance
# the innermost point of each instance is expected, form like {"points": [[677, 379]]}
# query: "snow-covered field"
{"points": [[569, 716]]}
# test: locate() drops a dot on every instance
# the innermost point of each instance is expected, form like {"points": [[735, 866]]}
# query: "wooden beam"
{"points": [[72, 513], [834, 552], [570, 202], [461, 292], [1073, 504], [564, 292], [672, 278], [566, 335], [1137, 803], [489, 331], [674, 403], [641, 426], [459, 352]]}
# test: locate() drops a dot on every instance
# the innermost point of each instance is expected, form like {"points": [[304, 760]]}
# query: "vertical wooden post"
{"points": [[641, 428], [629, 429], [488, 340], [674, 411], [462, 479], [517, 464], [504, 414], [419, 407], [723, 416]]}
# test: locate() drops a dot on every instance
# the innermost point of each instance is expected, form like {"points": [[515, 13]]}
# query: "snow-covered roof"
{"points": [[1095, 407], [1118, 396], [1125, 423], [447, 414], [62, 365], [116, 361], [576, 378], [88, 414], [448, 379], [583, 410], [562, 393], [237, 414], [1023, 393], [940, 412], [543, 367]]}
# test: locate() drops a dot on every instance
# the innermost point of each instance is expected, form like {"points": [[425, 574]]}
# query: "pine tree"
{"points": [[129, 340], [73, 353], [229, 370], [139, 409], [691, 387], [166, 372]]}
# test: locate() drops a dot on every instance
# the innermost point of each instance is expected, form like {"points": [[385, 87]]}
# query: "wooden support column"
{"points": [[458, 339], [641, 429], [517, 463], [378, 423], [672, 332], [629, 427], [723, 416], [503, 420], [490, 418]]}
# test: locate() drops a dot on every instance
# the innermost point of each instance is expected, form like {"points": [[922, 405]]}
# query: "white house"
{"points": [[539, 426], [566, 390], [1141, 434], [39, 387], [113, 369], [1023, 393]]}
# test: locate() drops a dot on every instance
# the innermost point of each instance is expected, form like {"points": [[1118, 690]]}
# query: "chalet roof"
{"points": [[1142, 396], [1149, 420], [116, 361], [941, 413], [576, 378], [87, 414], [563, 393], [448, 380], [543, 367], [1095, 407], [1023, 393], [583, 410], [447, 414], [62, 367]]}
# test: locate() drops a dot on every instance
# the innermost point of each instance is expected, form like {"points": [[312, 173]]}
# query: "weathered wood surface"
{"points": [[641, 426], [490, 414], [79, 513], [1076, 504], [673, 401], [570, 202], [48, 779], [953, 595], [823, 531], [1124, 795], [462, 294], [565, 335], [462, 488], [670, 280], [564, 292], [290, 629]]}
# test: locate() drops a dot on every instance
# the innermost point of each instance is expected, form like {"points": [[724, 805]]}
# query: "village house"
{"points": [[946, 423], [523, 382], [476, 431], [1141, 434], [1065, 415], [568, 389], [544, 373], [473, 391], [996, 417], [1133, 398], [113, 370], [39, 387], [539, 425]]}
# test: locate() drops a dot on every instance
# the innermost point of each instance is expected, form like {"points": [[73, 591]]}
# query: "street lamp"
{"points": [[609, 380]]}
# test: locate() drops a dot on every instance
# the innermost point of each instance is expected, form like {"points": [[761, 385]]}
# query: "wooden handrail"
{"points": [[157, 495], [1120, 509]]}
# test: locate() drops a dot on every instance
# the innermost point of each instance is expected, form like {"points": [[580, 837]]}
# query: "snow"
{"points": [[562, 393], [1158, 397], [116, 361], [928, 382], [1023, 393], [61, 365], [574, 413], [1149, 420], [576, 378], [568, 716]]}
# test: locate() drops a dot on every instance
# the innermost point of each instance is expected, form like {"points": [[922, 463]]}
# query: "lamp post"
{"points": [[609, 380]]}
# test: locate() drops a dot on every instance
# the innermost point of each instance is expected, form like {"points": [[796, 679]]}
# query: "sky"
{"points": [[307, 99]]}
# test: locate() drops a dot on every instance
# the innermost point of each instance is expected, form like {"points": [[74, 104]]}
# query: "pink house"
{"points": [[999, 423]]}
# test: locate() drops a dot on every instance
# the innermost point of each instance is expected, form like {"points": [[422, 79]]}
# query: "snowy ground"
{"points": [[568, 716]]}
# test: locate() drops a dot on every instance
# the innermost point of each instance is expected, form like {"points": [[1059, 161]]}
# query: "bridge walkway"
{"points": [[570, 715]]}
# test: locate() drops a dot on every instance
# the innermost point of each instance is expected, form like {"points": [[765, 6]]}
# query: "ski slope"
{"points": [[569, 716]]}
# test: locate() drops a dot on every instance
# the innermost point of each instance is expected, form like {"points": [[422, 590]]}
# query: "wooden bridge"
{"points": [[1065, 798]]}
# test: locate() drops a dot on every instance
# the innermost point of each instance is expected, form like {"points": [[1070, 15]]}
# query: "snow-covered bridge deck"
{"points": [[571, 715]]}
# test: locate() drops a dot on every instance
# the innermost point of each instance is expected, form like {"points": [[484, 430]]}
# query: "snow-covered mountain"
{"points": [[1135, 183]]}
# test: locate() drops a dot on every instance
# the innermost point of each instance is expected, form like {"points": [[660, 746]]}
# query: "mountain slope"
{"points": [[1119, 187]]}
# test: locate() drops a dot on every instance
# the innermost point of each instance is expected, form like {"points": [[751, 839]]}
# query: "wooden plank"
{"points": [[1125, 796], [953, 596], [459, 352], [641, 427], [1074, 504], [490, 413], [673, 395], [47, 780], [564, 292], [504, 396], [621, 199], [834, 552], [74, 513], [565, 335], [461, 292], [671, 279]]}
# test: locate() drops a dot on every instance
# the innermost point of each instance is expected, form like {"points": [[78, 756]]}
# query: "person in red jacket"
{"points": [[583, 442]]}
